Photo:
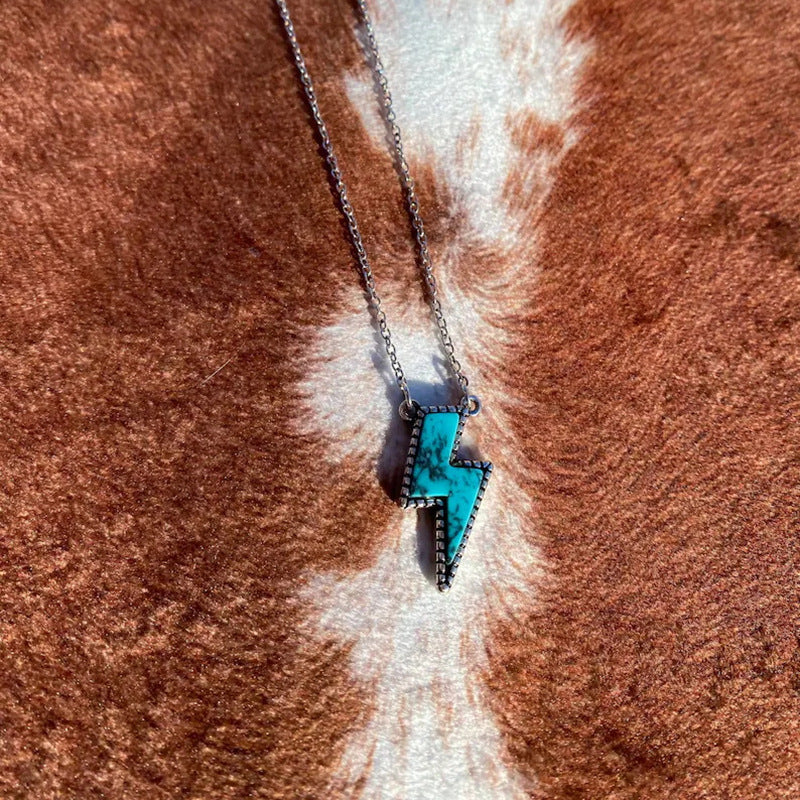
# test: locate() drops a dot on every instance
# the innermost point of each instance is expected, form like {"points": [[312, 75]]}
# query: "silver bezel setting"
{"points": [[445, 573]]}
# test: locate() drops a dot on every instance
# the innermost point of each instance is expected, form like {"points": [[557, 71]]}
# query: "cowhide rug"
{"points": [[208, 590]]}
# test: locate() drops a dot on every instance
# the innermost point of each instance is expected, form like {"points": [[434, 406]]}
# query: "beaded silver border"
{"points": [[444, 574]]}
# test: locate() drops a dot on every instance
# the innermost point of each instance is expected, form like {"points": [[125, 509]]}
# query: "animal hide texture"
{"points": [[208, 590]]}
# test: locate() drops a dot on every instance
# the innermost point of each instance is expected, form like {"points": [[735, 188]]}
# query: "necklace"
{"points": [[434, 476]]}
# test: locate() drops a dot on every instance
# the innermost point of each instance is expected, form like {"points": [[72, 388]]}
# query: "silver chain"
{"points": [[412, 202]]}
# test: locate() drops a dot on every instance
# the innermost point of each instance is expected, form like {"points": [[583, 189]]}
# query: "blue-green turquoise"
{"points": [[435, 476]]}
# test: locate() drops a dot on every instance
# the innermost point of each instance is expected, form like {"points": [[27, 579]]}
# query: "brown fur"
{"points": [[169, 246], [662, 377]]}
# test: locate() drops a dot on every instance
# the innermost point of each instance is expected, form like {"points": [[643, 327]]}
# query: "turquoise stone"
{"points": [[436, 476]]}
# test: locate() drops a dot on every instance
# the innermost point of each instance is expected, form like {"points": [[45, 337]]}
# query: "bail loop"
{"points": [[472, 405], [408, 409]]}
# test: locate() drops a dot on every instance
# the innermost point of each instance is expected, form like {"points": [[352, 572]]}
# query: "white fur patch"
{"points": [[461, 73], [422, 655]]}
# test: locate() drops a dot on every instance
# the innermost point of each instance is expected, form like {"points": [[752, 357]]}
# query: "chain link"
{"points": [[412, 203]]}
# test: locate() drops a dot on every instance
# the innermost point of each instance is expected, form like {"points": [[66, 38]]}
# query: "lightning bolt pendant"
{"points": [[435, 477]]}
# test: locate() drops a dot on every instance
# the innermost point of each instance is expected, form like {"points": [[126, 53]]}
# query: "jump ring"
{"points": [[474, 405], [408, 410]]}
